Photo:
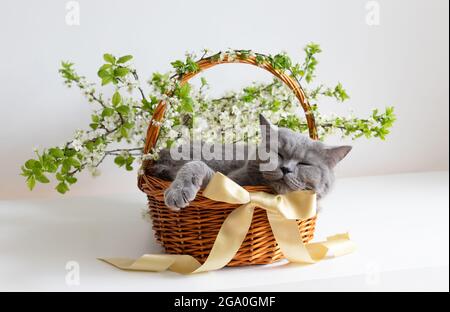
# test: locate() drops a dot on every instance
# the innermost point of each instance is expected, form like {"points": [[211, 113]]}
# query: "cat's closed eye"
{"points": [[281, 156], [302, 163]]}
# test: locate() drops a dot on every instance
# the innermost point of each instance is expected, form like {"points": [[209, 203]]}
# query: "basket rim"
{"points": [[208, 62]]}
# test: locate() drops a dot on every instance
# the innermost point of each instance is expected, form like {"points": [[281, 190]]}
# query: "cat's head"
{"points": [[297, 162]]}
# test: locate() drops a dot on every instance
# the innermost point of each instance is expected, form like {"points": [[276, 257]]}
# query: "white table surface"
{"points": [[399, 222]]}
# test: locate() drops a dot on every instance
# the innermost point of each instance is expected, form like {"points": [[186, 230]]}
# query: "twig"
{"points": [[136, 77], [305, 67], [95, 98]]}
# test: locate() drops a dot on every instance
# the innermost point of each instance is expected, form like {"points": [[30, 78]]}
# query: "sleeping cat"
{"points": [[295, 163]]}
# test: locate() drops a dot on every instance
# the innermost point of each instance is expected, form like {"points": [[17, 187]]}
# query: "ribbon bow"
{"points": [[282, 213]]}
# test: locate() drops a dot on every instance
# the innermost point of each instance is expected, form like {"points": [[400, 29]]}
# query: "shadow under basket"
{"points": [[193, 230]]}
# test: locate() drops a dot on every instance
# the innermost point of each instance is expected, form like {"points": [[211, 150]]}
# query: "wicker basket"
{"points": [[193, 230]]}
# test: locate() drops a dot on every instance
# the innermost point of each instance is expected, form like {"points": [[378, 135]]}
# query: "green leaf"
{"points": [[281, 61], [52, 167], [178, 65], [31, 182], [340, 93], [120, 160], [116, 99], [313, 48], [124, 132], [243, 54], [70, 152], [71, 179], [184, 91], [75, 163], [56, 152], [95, 118], [105, 66], [146, 105], [191, 65], [107, 112], [129, 125], [109, 58], [124, 59], [42, 178], [121, 71], [59, 177], [104, 73], [106, 80], [66, 165], [93, 125], [30, 163], [130, 160], [129, 163], [62, 188], [25, 172], [123, 109], [154, 99], [37, 166], [99, 141], [260, 59], [90, 146], [187, 105]]}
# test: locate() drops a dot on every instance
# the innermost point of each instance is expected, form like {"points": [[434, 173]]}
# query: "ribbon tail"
{"points": [[183, 264], [336, 246], [291, 244], [228, 241], [289, 239], [231, 235]]}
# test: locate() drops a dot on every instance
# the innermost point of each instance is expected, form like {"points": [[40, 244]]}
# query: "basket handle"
{"points": [[158, 114]]}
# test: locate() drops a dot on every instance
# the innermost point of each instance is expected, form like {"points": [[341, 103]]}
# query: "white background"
{"points": [[399, 221], [402, 62]]}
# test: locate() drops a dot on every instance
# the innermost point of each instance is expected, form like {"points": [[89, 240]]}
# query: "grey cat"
{"points": [[299, 163]]}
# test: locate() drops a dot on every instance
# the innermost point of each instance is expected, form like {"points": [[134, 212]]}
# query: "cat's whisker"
{"points": [[272, 175]]}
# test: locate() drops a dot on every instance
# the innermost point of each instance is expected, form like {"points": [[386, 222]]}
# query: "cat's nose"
{"points": [[285, 170]]}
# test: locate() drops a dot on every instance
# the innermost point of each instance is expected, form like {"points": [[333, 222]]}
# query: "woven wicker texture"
{"points": [[193, 230]]}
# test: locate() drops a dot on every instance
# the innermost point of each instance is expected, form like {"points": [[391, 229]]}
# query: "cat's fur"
{"points": [[300, 164]]}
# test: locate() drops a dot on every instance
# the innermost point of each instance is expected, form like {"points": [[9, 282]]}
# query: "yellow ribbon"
{"points": [[282, 212]]}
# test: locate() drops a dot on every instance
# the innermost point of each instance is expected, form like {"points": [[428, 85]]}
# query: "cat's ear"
{"points": [[263, 121], [334, 154], [266, 128]]}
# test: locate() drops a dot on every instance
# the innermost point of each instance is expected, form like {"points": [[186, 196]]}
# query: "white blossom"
{"points": [[77, 145], [172, 134], [95, 172]]}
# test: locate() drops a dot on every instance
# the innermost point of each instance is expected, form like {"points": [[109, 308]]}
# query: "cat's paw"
{"points": [[179, 195]]}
